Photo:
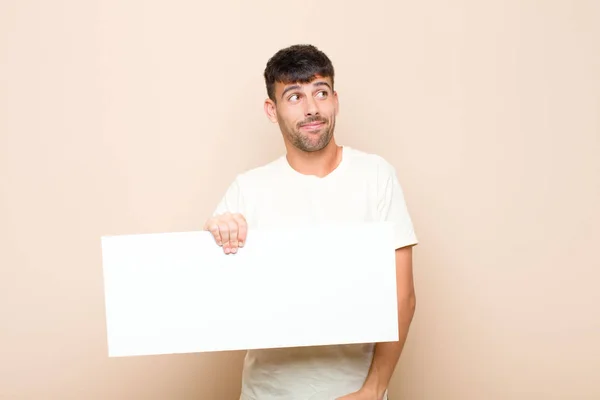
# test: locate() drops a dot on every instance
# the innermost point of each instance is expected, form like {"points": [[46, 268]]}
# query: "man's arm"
{"points": [[387, 354]]}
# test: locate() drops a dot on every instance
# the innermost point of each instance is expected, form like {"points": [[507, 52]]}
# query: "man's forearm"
{"points": [[387, 354]]}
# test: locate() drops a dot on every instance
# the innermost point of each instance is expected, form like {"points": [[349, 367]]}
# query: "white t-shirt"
{"points": [[364, 188]]}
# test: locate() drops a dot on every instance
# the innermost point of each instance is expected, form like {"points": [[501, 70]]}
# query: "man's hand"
{"points": [[229, 231], [362, 394]]}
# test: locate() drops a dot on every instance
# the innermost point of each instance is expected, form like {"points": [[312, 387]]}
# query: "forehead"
{"points": [[317, 81]]}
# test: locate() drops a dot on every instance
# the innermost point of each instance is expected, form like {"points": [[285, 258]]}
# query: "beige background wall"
{"points": [[133, 117]]}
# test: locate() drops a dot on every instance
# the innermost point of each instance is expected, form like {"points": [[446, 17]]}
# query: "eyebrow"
{"points": [[296, 87]]}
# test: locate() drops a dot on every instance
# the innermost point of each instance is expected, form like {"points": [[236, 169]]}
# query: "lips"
{"points": [[312, 125]]}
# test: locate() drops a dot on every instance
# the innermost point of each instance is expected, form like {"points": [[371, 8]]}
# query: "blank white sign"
{"points": [[179, 293]]}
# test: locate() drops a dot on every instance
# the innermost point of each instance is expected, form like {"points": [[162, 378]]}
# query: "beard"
{"points": [[311, 141]]}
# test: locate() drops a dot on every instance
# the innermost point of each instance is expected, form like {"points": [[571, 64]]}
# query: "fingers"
{"points": [[232, 244], [212, 225], [242, 229], [229, 231]]}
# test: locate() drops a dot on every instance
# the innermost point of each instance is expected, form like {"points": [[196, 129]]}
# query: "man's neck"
{"points": [[320, 163]]}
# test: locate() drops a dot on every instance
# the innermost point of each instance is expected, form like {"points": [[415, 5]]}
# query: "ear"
{"points": [[271, 110]]}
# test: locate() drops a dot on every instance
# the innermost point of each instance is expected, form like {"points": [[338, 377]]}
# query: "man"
{"points": [[316, 181]]}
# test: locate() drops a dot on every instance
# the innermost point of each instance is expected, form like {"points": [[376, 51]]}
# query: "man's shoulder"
{"points": [[262, 173], [370, 161]]}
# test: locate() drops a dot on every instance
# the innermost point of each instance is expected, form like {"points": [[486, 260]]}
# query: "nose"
{"points": [[311, 107]]}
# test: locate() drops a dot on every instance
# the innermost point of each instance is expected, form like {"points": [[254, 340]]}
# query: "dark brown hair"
{"points": [[300, 63]]}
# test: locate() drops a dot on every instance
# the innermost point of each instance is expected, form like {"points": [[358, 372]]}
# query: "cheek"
{"points": [[328, 109], [291, 118]]}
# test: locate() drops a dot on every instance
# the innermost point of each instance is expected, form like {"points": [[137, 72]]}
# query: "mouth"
{"points": [[313, 126]]}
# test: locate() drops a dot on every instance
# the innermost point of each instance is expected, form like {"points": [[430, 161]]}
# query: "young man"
{"points": [[316, 181]]}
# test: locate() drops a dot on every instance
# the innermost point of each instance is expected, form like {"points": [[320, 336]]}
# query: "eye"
{"points": [[322, 94], [294, 97]]}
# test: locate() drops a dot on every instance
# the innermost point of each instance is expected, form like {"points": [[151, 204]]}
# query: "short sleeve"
{"points": [[232, 201], [392, 207]]}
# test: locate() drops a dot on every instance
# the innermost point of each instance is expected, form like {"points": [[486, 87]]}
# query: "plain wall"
{"points": [[134, 117]]}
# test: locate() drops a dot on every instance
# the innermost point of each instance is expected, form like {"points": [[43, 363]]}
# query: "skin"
{"points": [[306, 115]]}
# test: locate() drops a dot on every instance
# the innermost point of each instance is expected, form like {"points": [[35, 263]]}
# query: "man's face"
{"points": [[305, 113]]}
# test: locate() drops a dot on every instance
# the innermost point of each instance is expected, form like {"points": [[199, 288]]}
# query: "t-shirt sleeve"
{"points": [[392, 207], [232, 201]]}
